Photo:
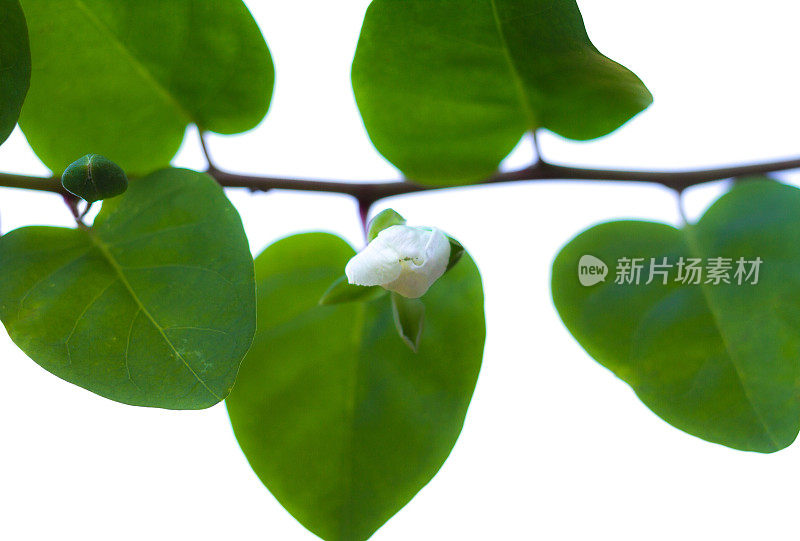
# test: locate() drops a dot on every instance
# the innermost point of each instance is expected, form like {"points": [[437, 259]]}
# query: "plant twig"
{"points": [[367, 193]]}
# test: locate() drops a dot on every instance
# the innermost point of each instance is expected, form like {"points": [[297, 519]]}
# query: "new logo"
{"points": [[591, 271]]}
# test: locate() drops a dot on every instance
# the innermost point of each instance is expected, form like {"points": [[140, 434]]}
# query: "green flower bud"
{"points": [[93, 178]]}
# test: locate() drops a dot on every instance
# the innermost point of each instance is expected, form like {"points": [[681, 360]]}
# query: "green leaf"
{"points": [[15, 65], [409, 319], [123, 78], [383, 220], [341, 291], [152, 306], [339, 419], [719, 361], [446, 89]]}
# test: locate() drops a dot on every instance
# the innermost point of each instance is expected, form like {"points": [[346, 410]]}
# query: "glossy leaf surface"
{"points": [[123, 78], [15, 65], [342, 422], [721, 360], [447, 88], [153, 306]]}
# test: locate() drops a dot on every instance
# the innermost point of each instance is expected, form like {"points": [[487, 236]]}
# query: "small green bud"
{"points": [[93, 178]]}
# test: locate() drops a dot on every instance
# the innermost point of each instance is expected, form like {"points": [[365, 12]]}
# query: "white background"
{"points": [[554, 447]]}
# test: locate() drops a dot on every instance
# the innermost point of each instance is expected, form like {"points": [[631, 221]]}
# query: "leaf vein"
{"points": [[120, 272], [515, 75], [137, 64]]}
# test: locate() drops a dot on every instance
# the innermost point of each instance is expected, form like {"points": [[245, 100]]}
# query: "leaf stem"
{"points": [[537, 150], [72, 203], [206, 153], [681, 208]]}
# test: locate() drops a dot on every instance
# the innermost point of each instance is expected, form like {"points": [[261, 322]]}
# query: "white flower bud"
{"points": [[403, 259]]}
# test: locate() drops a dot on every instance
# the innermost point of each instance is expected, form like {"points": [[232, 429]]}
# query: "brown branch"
{"points": [[368, 193]]}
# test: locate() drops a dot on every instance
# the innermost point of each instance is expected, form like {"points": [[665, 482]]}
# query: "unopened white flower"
{"points": [[403, 259]]}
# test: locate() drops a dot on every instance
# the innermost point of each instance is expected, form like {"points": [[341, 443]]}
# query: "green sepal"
{"points": [[383, 220], [341, 291], [456, 251], [409, 319]]}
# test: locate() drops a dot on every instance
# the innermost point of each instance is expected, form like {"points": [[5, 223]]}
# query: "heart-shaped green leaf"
{"points": [[152, 306], [15, 65], [720, 360], [123, 78], [338, 417], [446, 89]]}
